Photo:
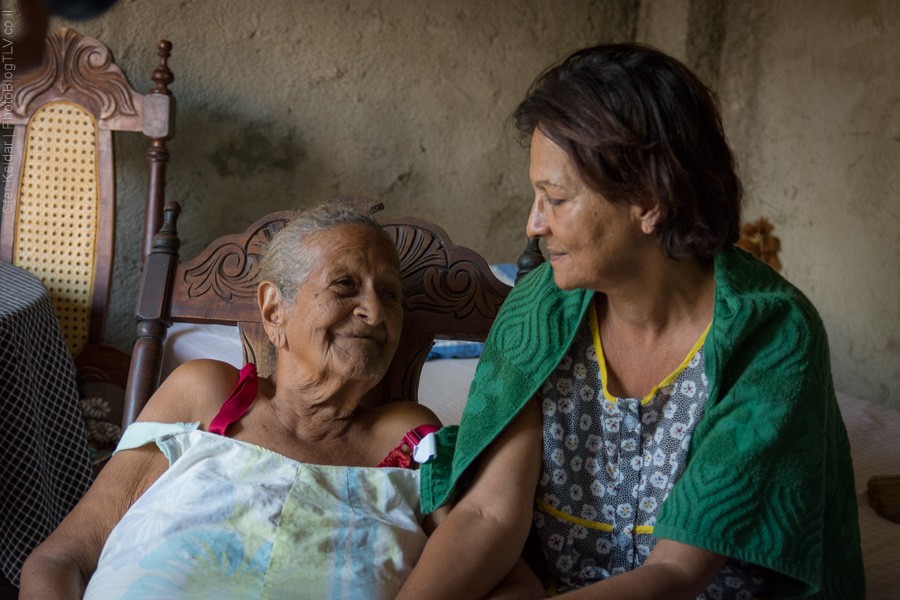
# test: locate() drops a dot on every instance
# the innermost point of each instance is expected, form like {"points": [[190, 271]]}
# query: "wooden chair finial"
{"points": [[530, 259], [162, 76], [167, 240]]}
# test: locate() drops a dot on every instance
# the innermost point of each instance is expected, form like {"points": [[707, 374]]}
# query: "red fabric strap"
{"points": [[244, 393], [398, 457], [237, 403]]}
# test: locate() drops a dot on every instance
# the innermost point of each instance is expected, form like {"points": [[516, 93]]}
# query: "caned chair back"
{"points": [[58, 212]]}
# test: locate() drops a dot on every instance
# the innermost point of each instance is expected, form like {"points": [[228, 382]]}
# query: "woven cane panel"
{"points": [[56, 231]]}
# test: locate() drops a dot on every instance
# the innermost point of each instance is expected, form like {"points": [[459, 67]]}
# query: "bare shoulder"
{"points": [[407, 415], [193, 392], [389, 423]]}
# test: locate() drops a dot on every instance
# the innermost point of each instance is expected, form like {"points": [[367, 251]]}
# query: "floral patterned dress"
{"points": [[234, 520], [610, 463]]}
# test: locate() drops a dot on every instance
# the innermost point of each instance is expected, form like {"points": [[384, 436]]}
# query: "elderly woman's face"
{"points": [[347, 316], [592, 243]]}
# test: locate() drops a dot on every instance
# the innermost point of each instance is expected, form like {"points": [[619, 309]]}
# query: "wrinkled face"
{"points": [[591, 242], [345, 321]]}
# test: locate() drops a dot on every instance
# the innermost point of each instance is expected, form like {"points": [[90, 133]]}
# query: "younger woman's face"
{"points": [[592, 243]]}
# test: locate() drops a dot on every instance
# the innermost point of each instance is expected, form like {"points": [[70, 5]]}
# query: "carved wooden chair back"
{"points": [[58, 215], [449, 292]]}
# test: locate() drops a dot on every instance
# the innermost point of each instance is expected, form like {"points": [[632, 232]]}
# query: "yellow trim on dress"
{"points": [[601, 360], [573, 519], [606, 527]]}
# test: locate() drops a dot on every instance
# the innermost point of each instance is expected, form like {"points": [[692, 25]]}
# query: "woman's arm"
{"points": [[480, 540], [672, 571], [519, 584], [61, 566]]}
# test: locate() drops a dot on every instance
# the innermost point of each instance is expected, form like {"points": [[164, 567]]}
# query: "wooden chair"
{"points": [[58, 213], [449, 293]]}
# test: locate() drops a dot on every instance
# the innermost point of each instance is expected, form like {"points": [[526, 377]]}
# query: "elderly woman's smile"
{"points": [[375, 339], [346, 318]]}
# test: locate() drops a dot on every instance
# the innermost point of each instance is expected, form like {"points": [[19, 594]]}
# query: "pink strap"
{"points": [[400, 458], [237, 403], [414, 436]]}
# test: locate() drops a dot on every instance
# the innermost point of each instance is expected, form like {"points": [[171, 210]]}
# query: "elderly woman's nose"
{"points": [[370, 307], [537, 222]]}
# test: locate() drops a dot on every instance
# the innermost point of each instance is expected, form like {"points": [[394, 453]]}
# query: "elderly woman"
{"points": [[248, 487], [655, 402]]}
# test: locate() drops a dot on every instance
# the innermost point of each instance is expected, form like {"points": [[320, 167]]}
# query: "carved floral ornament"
{"points": [[231, 269], [445, 285], [78, 63]]}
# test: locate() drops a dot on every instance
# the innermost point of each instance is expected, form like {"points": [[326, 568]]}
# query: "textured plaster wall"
{"points": [[811, 97], [285, 103]]}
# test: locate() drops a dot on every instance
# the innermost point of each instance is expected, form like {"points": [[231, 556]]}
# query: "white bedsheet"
{"points": [[874, 433], [190, 341]]}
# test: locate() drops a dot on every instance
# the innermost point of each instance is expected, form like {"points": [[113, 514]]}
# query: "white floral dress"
{"points": [[231, 520], [609, 465]]}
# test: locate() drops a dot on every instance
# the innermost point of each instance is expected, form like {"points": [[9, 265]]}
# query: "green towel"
{"points": [[769, 478]]}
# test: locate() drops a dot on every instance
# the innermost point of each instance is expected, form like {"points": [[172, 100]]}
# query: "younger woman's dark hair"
{"points": [[642, 128]]}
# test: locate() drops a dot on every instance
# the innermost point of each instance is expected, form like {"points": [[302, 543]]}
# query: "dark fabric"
{"points": [[45, 468], [7, 590]]}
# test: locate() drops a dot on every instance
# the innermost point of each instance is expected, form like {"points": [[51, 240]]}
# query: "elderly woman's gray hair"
{"points": [[287, 263]]}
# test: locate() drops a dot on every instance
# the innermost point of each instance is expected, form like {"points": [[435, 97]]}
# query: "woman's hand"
{"points": [[673, 571], [520, 584]]}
